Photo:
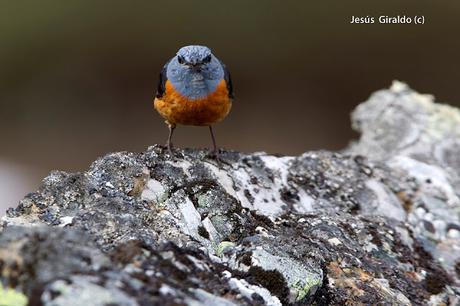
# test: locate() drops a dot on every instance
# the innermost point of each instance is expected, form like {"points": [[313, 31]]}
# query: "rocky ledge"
{"points": [[375, 224]]}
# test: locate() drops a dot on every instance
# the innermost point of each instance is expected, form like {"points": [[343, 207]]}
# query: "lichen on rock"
{"points": [[377, 223]]}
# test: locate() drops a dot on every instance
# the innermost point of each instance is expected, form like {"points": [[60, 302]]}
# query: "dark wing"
{"points": [[228, 80], [162, 81]]}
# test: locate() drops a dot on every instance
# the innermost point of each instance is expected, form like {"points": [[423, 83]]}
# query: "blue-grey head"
{"points": [[194, 56], [195, 72]]}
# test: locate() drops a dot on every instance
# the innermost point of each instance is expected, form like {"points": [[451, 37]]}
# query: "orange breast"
{"points": [[177, 109]]}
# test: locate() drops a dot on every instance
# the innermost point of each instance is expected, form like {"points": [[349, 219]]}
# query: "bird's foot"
{"points": [[215, 155], [170, 151]]}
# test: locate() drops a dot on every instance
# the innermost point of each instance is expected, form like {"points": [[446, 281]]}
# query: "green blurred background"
{"points": [[77, 78]]}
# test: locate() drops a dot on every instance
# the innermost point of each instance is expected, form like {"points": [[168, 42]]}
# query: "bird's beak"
{"points": [[195, 67]]}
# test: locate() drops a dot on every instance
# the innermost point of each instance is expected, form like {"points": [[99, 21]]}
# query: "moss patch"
{"points": [[11, 297]]}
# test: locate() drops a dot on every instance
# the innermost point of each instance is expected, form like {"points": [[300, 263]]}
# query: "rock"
{"points": [[418, 140], [375, 224]]}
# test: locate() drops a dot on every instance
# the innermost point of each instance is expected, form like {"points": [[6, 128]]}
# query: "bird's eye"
{"points": [[180, 59], [207, 59]]}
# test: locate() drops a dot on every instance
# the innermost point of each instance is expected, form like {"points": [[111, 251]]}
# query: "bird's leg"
{"points": [[215, 151], [169, 144]]}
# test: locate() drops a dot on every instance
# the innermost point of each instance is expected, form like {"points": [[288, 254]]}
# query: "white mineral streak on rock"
{"points": [[80, 291], [280, 167], [22, 221], [190, 216], [248, 290], [154, 191], [334, 241], [386, 203], [238, 182], [224, 180], [438, 185], [199, 264], [66, 221], [306, 202], [167, 290], [213, 234], [266, 197], [206, 298], [180, 163]]}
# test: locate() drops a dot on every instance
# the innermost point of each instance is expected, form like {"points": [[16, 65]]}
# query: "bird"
{"points": [[194, 88]]}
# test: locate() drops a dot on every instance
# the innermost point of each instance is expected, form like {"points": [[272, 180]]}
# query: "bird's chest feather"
{"points": [[176, 108]]}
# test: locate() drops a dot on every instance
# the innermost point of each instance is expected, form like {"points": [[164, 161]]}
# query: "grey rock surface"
{"points": [[376, 224]]}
